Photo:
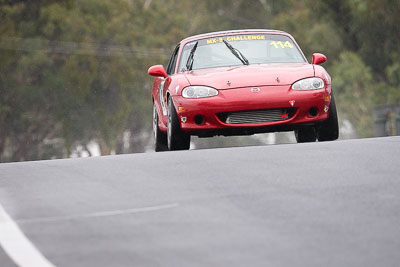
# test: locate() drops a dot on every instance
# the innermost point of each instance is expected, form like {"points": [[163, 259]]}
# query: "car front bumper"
{"points": [[208, 116]]}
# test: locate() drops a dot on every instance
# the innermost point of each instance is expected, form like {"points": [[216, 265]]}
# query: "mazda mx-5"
{"points": [[241, 82]]}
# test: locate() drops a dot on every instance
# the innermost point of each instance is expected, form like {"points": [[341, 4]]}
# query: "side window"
{"points": [[172, 61]]}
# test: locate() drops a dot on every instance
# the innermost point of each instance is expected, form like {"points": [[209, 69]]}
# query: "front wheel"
{"points": [[159, 137], [306, 134], [176, 138], [329, 129]]}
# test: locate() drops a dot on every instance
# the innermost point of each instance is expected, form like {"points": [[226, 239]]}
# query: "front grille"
{"points": [[256, 116]]}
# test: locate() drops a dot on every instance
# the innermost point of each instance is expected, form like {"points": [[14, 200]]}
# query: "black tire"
{"points": [[329, 129], [176, 138], [306, 134], [159, 137]]}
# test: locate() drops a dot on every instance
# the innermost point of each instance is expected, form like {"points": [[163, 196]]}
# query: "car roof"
{"points": [[198, 36]]}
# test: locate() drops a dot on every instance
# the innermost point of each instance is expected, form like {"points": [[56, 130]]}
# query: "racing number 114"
{"points": [[281, 44]]}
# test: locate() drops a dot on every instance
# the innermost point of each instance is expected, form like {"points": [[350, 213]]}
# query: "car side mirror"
{"points": [[318, 58], [157, 71]]}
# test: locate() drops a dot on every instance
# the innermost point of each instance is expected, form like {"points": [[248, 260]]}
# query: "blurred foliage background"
{"points": [[73, 73]]}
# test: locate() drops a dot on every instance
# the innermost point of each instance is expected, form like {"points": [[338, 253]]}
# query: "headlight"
{"points": [[199, 91], [309, 84]]}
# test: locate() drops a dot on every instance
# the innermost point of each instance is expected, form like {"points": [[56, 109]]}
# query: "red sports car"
{"points": [[241, 82]]}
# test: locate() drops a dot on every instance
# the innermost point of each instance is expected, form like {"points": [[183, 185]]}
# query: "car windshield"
{"points": [[257, 48]]}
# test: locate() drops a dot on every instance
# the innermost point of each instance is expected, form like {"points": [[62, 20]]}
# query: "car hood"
{"points": [[252, 75]]}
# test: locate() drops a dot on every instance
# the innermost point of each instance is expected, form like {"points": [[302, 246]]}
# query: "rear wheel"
{"points": [[160, 138], [306, 134], [176, 138], [329, 129]]}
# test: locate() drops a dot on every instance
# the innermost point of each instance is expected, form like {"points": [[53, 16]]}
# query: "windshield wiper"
{"points": [[237, 53], [189, 62]]}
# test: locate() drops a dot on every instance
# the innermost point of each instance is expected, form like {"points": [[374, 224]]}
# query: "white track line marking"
{"points": [[25, 254], [17, 245], [98, 214]]}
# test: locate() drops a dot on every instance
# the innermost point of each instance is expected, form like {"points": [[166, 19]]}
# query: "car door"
{"points": [[167, 81]]}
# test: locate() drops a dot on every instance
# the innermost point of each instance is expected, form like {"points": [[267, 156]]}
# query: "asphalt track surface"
{"points": [[319, 204]]}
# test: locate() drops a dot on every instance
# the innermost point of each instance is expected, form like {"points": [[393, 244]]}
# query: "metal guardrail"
{"points": [[386, 120]]}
